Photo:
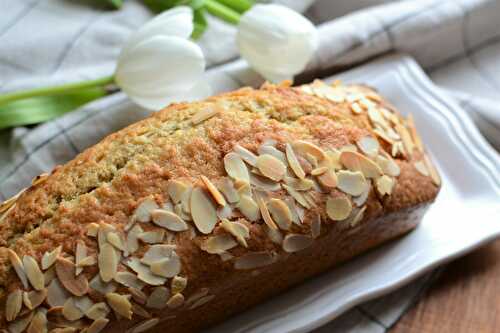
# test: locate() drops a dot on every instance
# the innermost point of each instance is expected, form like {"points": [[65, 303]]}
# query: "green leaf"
{"points": [[116, 3], [200, 23], [158, 6], [196, 4], [39, 109]]}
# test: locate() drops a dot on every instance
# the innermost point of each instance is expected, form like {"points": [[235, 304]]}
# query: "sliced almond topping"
{"points": [[158, 252], [249, 208], [144, 326], [271, 167], [129, 280], [152, 237], [98, 310], [83, 303], [316, 226], [280, 213], [271, 150], [102, 287], [49, 258], [138, 295], [120, 304], [369, 145], [175, 301], [225, 212], [56, 294], [226, 186], [406, 138], [264, 211], [328, 179], [332, 159], [398, 149], [201, 301], [80, 253], [236, 168], [38, 323], [274, 235], [299, 184], [388, 166], [262, 183], [218, 244], [158, 298], [133, 238], [13, 305], [243, 188], [33, 299], [97, 326], [413, 131], [436, 179], [358, 216], [319, 170], [385, 184], [21, 324], [357, 162], [296, 242], [116, 240], [421, 168], [203, 211], [176, 190], [49, 275], [361, 199], [254, 260], [167, 267], [353, 183], [356, 108], [18, 267], [144, 273], [143, 211], [297, 196], [303, 148], [246, 155], [108, 262], [338, 208], [218, 197], [65, 270], [70, 311], [293, 210], [140, 311], [178, 284], [197, 295], [238, 230], [33, 272], [205, 114], [92, 229]]}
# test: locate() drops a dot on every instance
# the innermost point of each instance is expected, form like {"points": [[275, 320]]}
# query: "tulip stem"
{"points": [[222, 11], [240, 6], [57, 90]]}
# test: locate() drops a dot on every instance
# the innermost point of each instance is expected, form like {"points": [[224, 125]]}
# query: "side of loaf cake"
{"points": [[207, 208]]}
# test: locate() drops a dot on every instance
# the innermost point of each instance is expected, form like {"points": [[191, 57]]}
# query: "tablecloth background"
{"points": [[43, 42]]}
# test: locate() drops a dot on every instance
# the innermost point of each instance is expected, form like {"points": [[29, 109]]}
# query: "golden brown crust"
{"points": [[106, 183]]}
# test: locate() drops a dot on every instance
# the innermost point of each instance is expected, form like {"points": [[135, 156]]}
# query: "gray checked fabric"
{"points": [[46, 42]]}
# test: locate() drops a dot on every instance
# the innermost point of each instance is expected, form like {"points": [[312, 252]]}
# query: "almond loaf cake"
{"points": [[205, 209]]}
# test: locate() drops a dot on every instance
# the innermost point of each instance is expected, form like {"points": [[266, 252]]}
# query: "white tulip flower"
{"points": [[276, 41], [159, 64]]}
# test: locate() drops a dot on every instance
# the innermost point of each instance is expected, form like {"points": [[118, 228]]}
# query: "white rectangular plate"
{"points": [[464, 216]]}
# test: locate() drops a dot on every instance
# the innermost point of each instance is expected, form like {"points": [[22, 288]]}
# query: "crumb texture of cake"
{"points": [[208, 208]]}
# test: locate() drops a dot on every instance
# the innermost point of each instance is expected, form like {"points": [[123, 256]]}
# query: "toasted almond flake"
{"points": [[271, 167], [332, 159], [413, 131], [225, 212], [33, 299], [383, 135], [361, 199], [239, 231], [203, 211], [87, 261], [338, 208], [271, 150], [70, 311], [218, 244], [296, 242], [102, 234], [152, 237], [65, 270], [97, 326], [178, 284], [49, 258], [358, 216], [297, 196], [205, 114], [421, 168], [7, 204], [133, 239], [108, 262], [176, 190], [316, 226], [246, 155], [98, 310], [353, 183], [129, 280], [299, 184], [158, 252], [436, 179], [102, 287], [218, 197], [80, 254], [226, 186], [243, 188], [328, 179], [264, 184], [49, 275], [319, 171], [293, 210], [406, 138], [398, 149], [83, 303], [138, 295], [254, 260], [225, 256], [369, 145], [33, 272], [144, 273], [13, 305], [236, 168], [64, 330], [167, 267], [56, 294], [388, 166], [158, 298], [92, 229], [140, 311], [196, 296], [201, 301], [175, 301], [280, 213], [249, 208], [38, 323], [356, 108], [120, 304], [20, 325], [357, 162], [144, 325], [18, 267], [303, 148], [384, 185], [116, 240], [274, 235], [143, 212], [264, 211]]}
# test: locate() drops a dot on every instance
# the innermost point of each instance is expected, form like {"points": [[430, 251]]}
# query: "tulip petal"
{"points": [[199, 91], [164, 64], [174, 22]]}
